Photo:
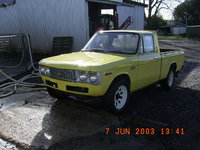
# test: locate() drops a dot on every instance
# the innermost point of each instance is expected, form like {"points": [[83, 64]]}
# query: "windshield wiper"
{"points": [[93, 50]]}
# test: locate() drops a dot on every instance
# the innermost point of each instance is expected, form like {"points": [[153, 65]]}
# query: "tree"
{"points": [[156, 21], [154, 7], [188, 12], [153, 19]]}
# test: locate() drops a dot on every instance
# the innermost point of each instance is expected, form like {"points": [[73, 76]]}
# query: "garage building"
{"points": [[46, 19]]}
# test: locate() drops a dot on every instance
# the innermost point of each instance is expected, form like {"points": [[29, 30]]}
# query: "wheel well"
{"points": [[173, 66], [120, 77]]}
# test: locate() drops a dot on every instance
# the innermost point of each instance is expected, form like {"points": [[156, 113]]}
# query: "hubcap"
{"points": [[171, 78], [120, 97]]}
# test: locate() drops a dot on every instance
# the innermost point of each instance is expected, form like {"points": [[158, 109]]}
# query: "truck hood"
{"points": [[81, 59]]}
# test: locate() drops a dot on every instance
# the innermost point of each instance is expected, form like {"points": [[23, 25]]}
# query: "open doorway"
{"points": [[102, 17]]}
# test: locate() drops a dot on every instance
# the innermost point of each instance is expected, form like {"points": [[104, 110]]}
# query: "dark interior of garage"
{"points": [[98, 21]]}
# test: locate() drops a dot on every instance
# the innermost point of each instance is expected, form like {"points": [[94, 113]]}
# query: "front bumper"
{"points": [[74, 87]]}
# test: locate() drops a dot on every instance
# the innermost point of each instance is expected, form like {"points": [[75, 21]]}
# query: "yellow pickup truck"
{"points": [[111, 66]]}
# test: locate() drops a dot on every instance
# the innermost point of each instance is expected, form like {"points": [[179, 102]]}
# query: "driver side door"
{"points": [[149, 61]]}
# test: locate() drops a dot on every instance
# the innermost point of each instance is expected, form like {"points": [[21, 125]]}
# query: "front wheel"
{"points": [[117, 97]]}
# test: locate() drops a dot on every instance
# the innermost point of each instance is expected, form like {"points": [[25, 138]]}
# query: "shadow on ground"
{"points": [[69, 119]]}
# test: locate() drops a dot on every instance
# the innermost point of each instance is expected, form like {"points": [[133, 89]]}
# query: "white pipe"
{"points": [[20, 85], [30, 51]]}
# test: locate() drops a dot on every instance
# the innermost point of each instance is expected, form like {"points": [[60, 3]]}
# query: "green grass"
{"points": [[178, 38]]}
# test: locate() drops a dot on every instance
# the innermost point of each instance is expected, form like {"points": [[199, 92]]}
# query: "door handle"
{"points": [[133, 68]]}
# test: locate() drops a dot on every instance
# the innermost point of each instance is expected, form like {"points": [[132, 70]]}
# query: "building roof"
{"points": [[135, 3], [194, 26], [179, 25], [125, 2]]}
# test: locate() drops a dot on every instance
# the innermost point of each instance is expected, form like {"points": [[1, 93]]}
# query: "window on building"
{"points": [[148, 43], [107, 12], [4, 3]]}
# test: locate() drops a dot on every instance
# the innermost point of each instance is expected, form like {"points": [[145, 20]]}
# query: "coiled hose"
{"points": [[21, 85]]}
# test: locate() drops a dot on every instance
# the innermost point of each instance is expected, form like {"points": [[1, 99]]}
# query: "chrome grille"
{"points": [[63, 74]]}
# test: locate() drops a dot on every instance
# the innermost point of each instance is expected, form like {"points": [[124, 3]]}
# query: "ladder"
{"points": [[126, 23]]}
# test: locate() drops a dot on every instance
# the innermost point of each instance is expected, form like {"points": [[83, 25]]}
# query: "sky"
{"points": [[166, 13]]}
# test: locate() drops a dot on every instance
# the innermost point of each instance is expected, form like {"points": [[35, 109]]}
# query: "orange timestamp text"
{"points": [[145, 131]]}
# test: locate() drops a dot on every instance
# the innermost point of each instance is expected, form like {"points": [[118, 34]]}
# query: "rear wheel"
{"points": [[56, 93], [168, 82], [117, 97]]}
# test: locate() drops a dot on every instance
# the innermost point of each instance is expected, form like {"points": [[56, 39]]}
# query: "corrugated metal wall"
{"points": [[44, 19], [9, 22], [178, 30], [137, 12]]}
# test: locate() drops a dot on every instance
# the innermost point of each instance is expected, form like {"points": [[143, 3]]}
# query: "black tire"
{"points": [[168, 82], [117, 97], [56, 93]]}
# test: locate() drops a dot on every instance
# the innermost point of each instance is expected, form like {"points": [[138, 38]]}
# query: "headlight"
{"points": [[88, 77], [41, 70], [47, 72], [44, 71], [82, 76], [93, 77]]}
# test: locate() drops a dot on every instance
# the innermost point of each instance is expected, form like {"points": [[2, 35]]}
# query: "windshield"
{"points": [[114, 42]]}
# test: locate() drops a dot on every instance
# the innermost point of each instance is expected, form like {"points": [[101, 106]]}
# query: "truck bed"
{"points": [[170, 56], [162, 50]]}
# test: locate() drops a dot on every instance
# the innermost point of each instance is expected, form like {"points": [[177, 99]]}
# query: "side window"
{"points": [[148, 43]]}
